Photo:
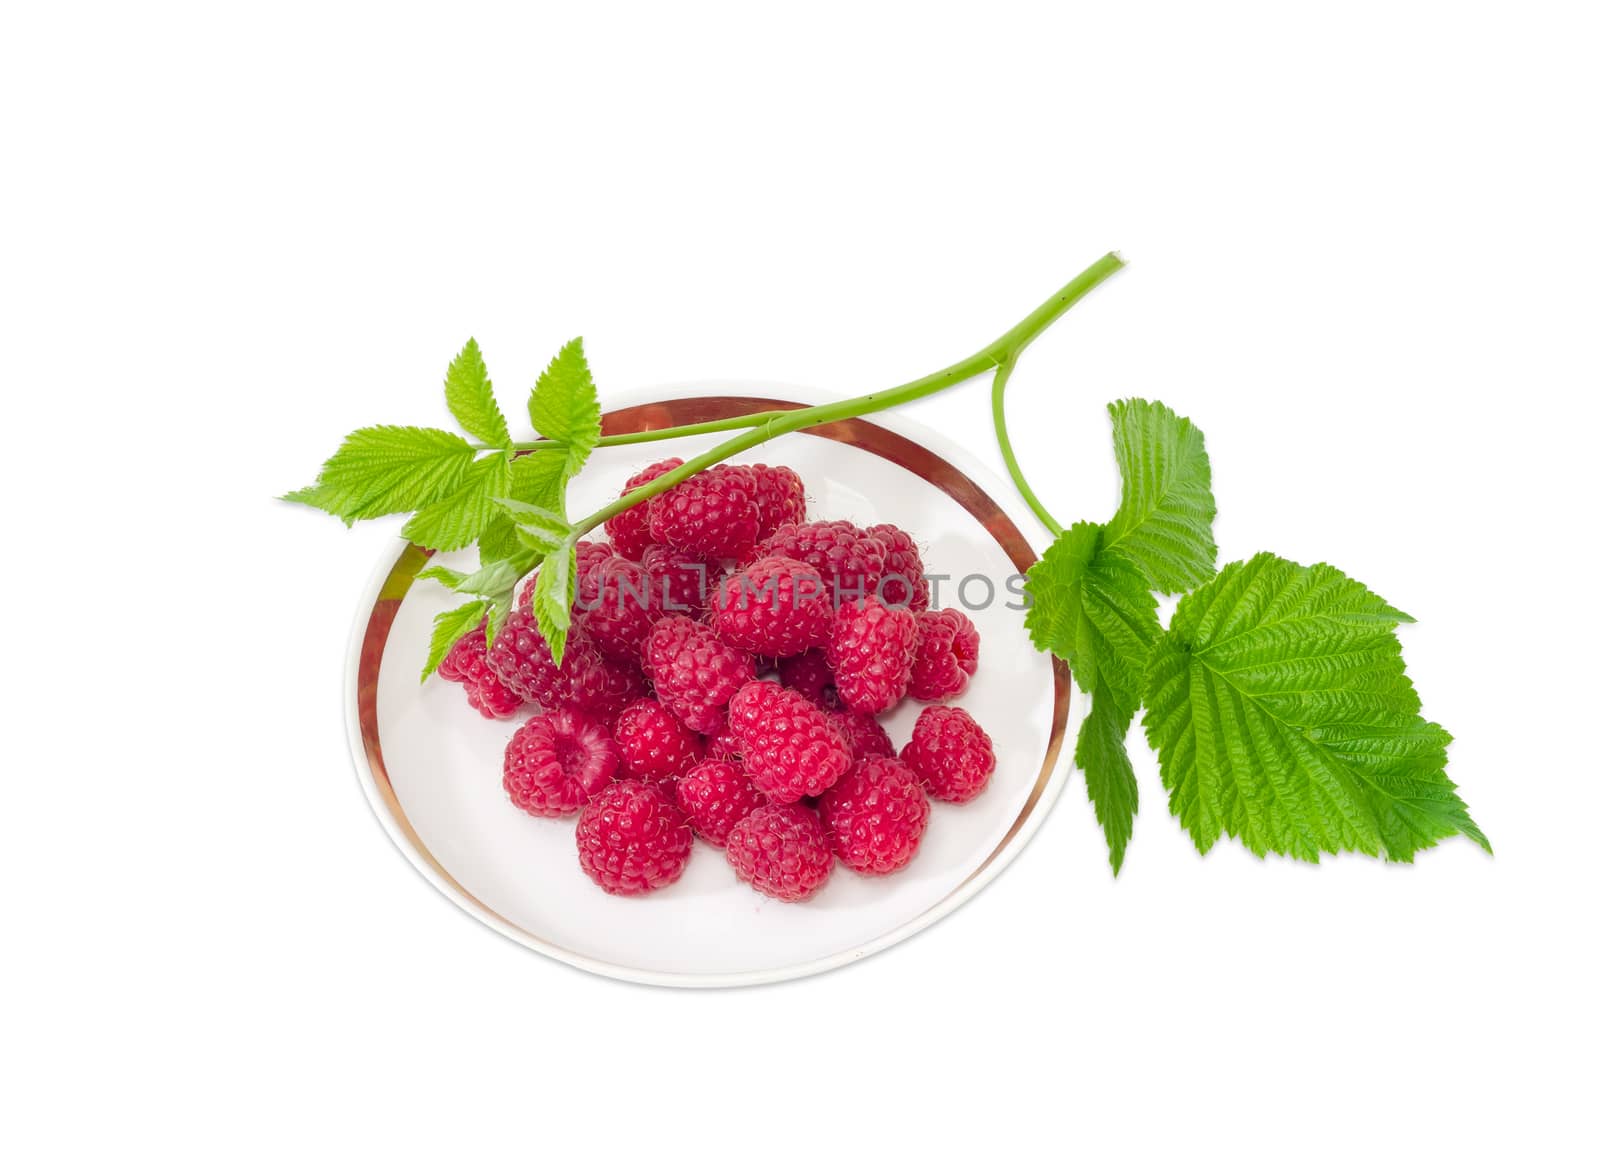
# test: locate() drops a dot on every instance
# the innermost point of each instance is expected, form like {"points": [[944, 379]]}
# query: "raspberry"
{"points": [[790, 747], [775, 607], [725, 746], [556, 761], [467, 662], [715, 581], [950, 753], [617, 608], [862, 733], [589, 556], [595, 682], [808, 674], [653, 743], [716, 796], [946, 657], [850, 562], [870, 653], [780, 849], [713, 513], [902, 581], [630, 530], [678, 581], [632, 839], [875, 816], [521, 659], [694, 673], [780, 497]]}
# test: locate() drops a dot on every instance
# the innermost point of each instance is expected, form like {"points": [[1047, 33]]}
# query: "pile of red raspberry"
{"points": [[722, 679]]}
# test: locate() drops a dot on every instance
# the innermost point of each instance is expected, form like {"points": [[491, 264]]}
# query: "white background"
{"points": [[1362, 253]]}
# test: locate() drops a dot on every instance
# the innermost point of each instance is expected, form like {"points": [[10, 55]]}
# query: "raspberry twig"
{"points": [[1001, 352], [997, 400], [723, 424]]}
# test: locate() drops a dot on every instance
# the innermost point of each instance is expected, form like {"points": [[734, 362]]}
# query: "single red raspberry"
{"points": [[808, 674], [655, 745], [950, 753], [780, 850], [875, 816], [679, 581], [521, 659], [616, 608], [902, 581], [694, 673], [589, 555], [713, 513], [790, 747], [850, 562], [870, 653], [467, 662], [776, 607], [780, 497], [716, 581], [596, 683], [725, 746], [632, 838], [863, 733], [630, 530], [557, 760], [947, 655], [716, 795]]}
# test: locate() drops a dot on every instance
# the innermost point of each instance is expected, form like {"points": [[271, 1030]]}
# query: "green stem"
{"points": [[725, 424], [997, 402], [1002, 351]]}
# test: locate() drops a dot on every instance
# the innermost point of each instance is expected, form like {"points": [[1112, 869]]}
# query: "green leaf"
{"points": [[323, 498], [449, 576], [537, 478], [470, 395], [1102, 753], [564, 407], [1279, 706], [1093, 608], [492, 579], [389, 469], [456, 521], [1163, 526], [540, 478], [499, 609], [552, 598], [448, 628], [499, 539], [539, 529]]}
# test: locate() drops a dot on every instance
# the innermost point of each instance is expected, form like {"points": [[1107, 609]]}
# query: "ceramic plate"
{"points": [[431, 766]]}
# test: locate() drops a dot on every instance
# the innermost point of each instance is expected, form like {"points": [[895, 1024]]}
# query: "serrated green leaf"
{"points": [[564, 407], [448, 628], [499, 609], [1163, 526], [1094, 609], [492, 579], [389, 469], [538, 478], [538, 529], [1102, 753], [470, 395], [323, 498], [456, 521], [552, 598], [1279, 707], [449, 576]]}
